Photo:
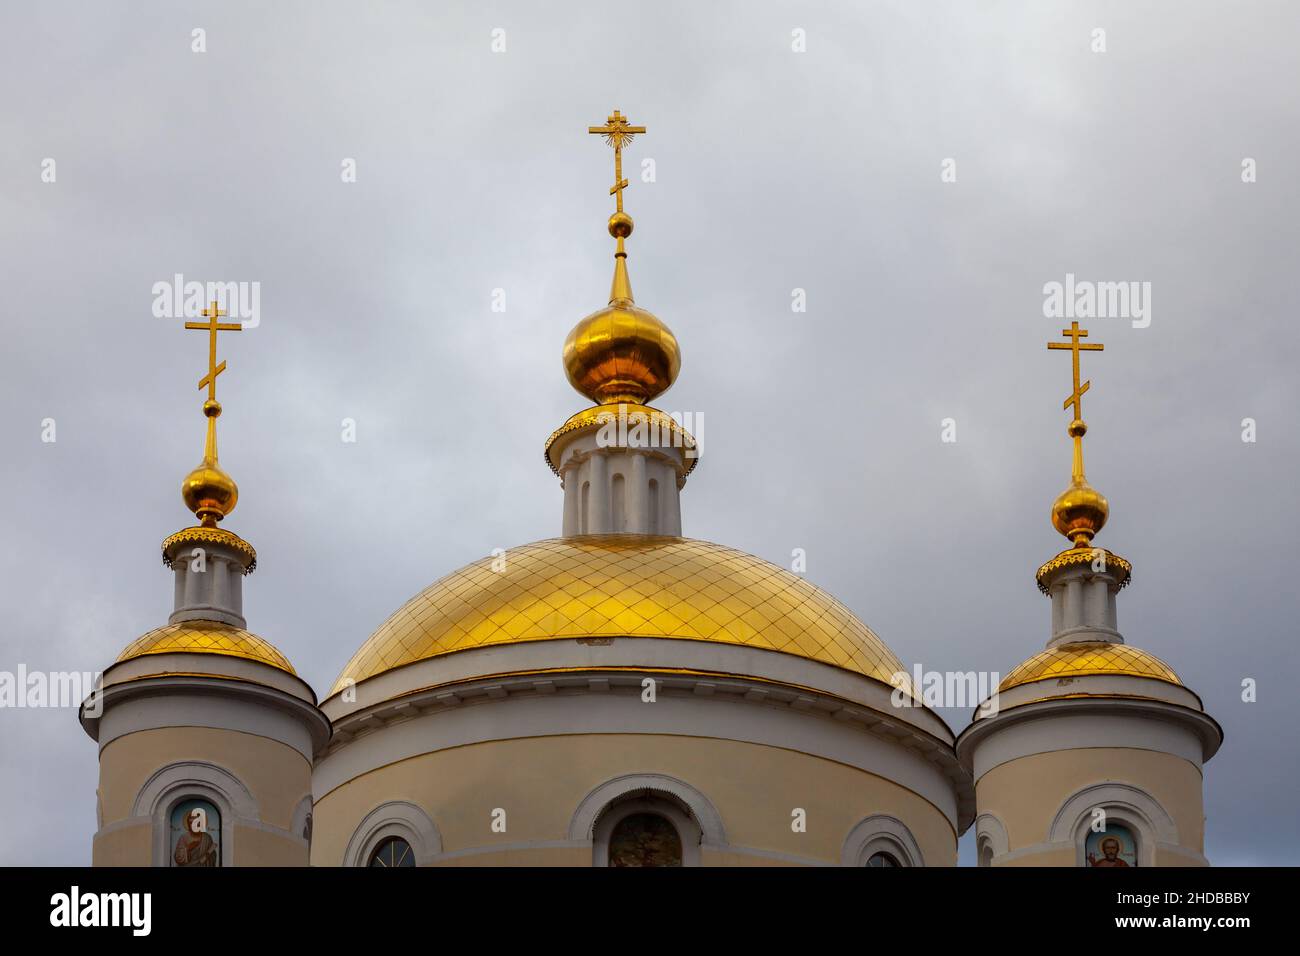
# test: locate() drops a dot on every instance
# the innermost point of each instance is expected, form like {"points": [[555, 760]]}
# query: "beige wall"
{"points": [[1025, 795], [541, 781], [128, 846], [277, 776]]}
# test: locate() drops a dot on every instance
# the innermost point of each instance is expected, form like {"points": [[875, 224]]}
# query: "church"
{"points": [[625, 695]]}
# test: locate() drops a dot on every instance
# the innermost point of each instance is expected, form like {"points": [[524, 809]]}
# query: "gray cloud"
{"points": [[775, 171]]}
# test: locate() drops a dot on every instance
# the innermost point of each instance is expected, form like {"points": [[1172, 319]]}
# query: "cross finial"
{"points": [[1075, 346], [213, 326], [617, 133], [1077, 428], [208, 491]]}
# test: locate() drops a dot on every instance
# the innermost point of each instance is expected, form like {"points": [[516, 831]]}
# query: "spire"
{"points": [[207, 490], [621, 354], [209, 561], [622, 463], [1082, 581], [1080, 511], [618, 133]]}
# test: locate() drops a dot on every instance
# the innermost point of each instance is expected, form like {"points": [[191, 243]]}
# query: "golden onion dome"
{"points": [[1080, 512], [621, 353], [207, 637], [623, 586], [1089, 658], [209, 492]]}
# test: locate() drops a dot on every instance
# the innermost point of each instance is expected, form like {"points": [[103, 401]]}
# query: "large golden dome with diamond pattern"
{"points": [[623, 586]]}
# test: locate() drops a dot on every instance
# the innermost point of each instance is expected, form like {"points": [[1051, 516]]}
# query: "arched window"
{"points": [[688, 813], [195, 837], [880, 840], [393, 851], [1115, 846], [990, 839], [645, 839]]}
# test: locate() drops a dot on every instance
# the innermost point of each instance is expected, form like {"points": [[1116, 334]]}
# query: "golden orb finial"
{"points": [[207, 490], [1080, 511], [621, 353]]}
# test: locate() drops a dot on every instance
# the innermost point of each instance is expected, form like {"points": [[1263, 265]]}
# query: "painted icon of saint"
{"points": [[1110, 848], [195, 847]]}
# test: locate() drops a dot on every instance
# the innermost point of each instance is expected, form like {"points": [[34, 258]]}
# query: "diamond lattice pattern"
{"points": [[206, 637], [1091, 657], [624, 586]]}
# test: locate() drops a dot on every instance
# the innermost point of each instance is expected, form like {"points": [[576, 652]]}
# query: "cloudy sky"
{"points": [[775, 170]]}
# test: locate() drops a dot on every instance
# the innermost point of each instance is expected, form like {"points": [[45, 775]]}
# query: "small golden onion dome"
{"points": [[206, 637], [1087, 658], [621, 353], [207, 490], [1080, 512]]}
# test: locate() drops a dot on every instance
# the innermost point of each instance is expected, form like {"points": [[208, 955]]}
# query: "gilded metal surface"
{"points": [[669, 432], [1079, 556], [207, 490], [1091, 657], [624, 586], [617, 133], [202, 536], [1080, 511], [206, 637], [621, 353]]}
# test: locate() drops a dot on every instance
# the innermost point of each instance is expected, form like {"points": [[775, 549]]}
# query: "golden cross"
{"points": [[1075, 346], [212, 313], [618, 134]]}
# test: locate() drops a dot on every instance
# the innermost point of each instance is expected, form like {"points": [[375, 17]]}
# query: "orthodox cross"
{"points": [[212, 314], [1075, 346], [618, 134]]}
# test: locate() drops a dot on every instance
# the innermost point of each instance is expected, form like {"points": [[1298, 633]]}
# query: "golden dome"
{"points": [[621, 353], [1089, 657], [1079, 512], [209, 492], [624, 586], [206, 637]]}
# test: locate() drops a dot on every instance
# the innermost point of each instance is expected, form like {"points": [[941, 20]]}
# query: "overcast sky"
{"points": [[775, 170]]}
